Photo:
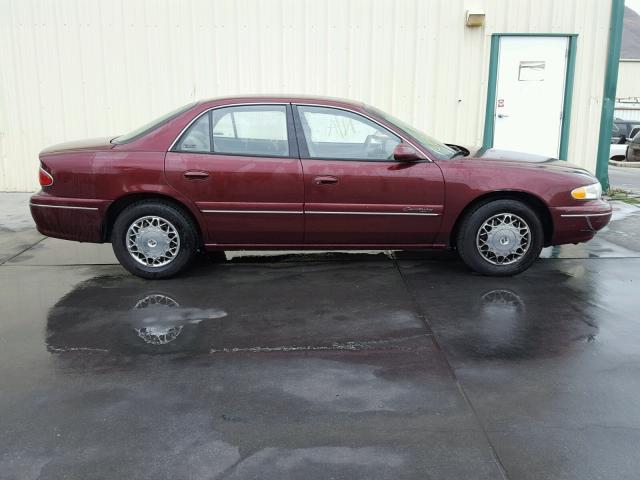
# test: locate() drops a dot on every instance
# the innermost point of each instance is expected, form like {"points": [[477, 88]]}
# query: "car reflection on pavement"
{"points": [[114, 314], [502, 324], [159, 320], [152, 323]]}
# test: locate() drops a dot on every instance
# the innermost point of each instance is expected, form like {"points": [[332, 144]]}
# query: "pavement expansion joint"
{"points": [[387, 344]]}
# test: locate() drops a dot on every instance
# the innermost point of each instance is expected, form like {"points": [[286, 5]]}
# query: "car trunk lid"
{"points": [[91, 144]]}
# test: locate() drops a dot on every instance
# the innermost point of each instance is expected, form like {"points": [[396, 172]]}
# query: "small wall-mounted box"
{"points": [[475, 18]]}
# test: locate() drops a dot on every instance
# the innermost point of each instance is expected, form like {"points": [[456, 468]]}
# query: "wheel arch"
{"points": [[117, 206], [529, 199]]}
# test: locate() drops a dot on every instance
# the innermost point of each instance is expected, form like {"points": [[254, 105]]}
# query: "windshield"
{"points": [[436, 147], [148, 127]]}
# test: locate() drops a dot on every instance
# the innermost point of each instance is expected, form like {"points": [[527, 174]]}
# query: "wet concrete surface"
{"points": [[626, 178], [402, 366], [17, 230]]}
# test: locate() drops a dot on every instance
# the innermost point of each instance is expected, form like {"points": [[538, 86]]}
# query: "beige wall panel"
{"points": [[73, 69]]}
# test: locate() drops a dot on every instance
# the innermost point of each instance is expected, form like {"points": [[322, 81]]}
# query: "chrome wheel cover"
{"points": [[155, 299], [153, 241], [503, 239], [157, 335]]}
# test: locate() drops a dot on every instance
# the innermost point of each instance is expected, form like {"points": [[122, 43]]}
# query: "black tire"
{"points": [[466, 241], [183, 224]]}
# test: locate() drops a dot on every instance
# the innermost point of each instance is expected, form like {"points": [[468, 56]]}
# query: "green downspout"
{"points": [[609, 93]]}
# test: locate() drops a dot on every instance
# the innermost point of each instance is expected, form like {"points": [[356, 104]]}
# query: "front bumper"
{"points": [[580, 223], [76, 219]]}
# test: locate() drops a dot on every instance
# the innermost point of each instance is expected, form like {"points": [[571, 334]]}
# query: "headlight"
{"points": [[588, 192]]}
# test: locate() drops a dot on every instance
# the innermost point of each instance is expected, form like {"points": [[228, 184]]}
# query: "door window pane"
{"points": [[531, 71], [224, 127], [332, 133], [251, 130], [197, 138]]}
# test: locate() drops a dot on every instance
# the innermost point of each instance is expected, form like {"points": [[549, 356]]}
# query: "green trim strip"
{"points": [[533, 34], [609, 92], [489, 119], [490, 111], [568, 98]]}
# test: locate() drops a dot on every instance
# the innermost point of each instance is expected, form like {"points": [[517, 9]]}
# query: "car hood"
{"points": [[91, 144], [524, 159]]}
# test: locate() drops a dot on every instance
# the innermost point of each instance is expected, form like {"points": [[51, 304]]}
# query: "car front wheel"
{"points": [[154, 239], [500, 238]]}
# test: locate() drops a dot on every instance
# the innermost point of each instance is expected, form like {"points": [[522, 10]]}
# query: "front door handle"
{"points": [[502, 115], [195, 175], [326, 180]]}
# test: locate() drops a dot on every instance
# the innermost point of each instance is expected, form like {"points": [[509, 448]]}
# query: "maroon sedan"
{"points": [[307, 173]]}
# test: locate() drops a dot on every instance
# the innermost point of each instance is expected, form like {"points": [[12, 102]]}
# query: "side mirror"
{"points": [[405, 153], [623, 140]]}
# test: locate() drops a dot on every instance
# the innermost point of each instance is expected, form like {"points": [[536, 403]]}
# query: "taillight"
{"points": [[46, 180]]}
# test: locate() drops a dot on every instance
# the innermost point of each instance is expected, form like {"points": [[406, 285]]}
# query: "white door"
{"points": [[530, 94]]}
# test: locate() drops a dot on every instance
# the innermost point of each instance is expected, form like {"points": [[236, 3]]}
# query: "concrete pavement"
{"points": [[319, 366], [625, 178]]}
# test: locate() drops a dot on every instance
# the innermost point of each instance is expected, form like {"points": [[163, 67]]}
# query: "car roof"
{"points": [[283, 98]]}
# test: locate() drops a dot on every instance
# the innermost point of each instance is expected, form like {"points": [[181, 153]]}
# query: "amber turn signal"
{"points": [[588, 192]]}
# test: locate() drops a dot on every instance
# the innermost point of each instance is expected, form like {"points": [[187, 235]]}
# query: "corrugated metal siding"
{"points": [[73, 69], [628, 79], [628, 111]]}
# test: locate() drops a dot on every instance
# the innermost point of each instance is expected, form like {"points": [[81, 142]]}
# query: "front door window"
{"points": [[339, 134]]}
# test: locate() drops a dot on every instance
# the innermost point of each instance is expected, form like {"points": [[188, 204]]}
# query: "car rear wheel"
{"points": [[500, 238], [154, 239]]}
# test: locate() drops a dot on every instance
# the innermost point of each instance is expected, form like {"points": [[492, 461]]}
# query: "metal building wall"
{"points": [[628, 80], [73, 69]]}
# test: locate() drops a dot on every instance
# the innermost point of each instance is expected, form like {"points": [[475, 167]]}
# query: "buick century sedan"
{"points": [[307, 173]]}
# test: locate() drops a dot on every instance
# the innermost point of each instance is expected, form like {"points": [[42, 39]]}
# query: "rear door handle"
{"points": [[195, 175], [326, 180]]}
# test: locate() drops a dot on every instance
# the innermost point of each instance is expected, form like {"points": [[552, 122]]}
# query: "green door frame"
{"points": [[609, 92], [489, 119]]}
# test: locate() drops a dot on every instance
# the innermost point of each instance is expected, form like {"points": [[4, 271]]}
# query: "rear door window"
{"points": [[197, 138], [250, 130]]}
